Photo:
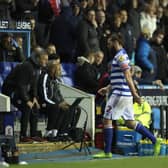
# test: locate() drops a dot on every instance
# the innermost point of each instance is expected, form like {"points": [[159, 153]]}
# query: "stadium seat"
{"points": [[5, 68], [13, 64], [68, 70], [68, 81]]}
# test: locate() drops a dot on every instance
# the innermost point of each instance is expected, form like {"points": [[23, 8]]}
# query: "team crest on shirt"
{"points": [[121, 58]]}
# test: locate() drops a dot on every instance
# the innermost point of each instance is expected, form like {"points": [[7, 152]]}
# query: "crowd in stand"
{"points": [[79, 32]]}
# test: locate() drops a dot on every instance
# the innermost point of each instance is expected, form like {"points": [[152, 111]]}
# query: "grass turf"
{"points": [[134, 162]]}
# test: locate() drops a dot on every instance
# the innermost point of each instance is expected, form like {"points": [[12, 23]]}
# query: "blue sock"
{"points": [[108, 136], [145, 132]]}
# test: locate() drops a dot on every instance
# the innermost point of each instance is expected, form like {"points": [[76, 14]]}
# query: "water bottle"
{"points": [[167, 147], [150, 148], [163, 148], [140, 148], [145, 147]]}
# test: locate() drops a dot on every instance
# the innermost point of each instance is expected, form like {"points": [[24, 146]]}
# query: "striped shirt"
{"points": [[118, 82]]}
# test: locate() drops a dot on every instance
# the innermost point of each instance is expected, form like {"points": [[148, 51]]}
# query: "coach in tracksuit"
{"points": [[52, 101]]}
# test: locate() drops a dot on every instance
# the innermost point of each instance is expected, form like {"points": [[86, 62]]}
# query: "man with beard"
{"points": [[120, 103]]}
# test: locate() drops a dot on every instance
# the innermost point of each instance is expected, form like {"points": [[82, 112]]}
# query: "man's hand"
{"points": [[30, 104], [35, 103], [159, 83], [138, 99], [64, 105], [103, 91]]}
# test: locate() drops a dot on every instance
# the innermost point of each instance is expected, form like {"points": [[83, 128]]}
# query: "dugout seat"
{"points": [[5, 68], [68, 70]]}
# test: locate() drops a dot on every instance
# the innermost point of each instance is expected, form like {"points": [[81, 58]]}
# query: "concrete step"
{"points": [[48, 146]]}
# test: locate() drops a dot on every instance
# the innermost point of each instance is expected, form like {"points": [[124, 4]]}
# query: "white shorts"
{"points": [[119, 106]]}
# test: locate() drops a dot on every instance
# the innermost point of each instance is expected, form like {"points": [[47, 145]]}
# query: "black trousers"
{"points": [[28, 116], [54, 115], [58, 118]]}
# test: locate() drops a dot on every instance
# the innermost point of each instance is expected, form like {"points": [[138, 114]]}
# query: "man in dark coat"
{"points": [[161, 55], [87, 35], [21, 86], [86, 76]]}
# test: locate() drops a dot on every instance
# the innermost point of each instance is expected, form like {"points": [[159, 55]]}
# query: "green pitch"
{"points": [[135, 162]]}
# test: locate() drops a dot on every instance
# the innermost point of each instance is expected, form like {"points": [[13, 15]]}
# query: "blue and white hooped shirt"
{"points": [[118, 82]]}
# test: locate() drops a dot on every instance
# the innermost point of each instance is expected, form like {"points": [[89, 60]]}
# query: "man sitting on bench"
{"points": [[57, 110]]}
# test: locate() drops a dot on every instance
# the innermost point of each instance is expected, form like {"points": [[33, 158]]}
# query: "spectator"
{"points": [[87, 35], [76, 16], [21, 86], [84, 5], [101, 5], [103, 30], [127, 33], [47, 11], [161, 55], [86, 74], [100, 68], [51, 50], [137, 76], [148, 19], [165, 21], [9, 49], [102, 74], [145, 57], [160, 21], [112, 8], [116, 23], [19, 41], [90, 4], [134, 17], [24, 8], [6, 10], [63, 28], [33, 37]]}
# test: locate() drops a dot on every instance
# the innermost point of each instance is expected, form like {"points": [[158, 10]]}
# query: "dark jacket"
{"points": [[128, 37], [23, 8], [162, 63], [86, 78], [12, 55], [134, 20], [62, 36], [87, 38], [21, 83], [6, 7], [48, 90]]}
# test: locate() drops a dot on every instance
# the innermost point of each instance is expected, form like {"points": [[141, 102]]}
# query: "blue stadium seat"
{"points": [[13, 64], [5, 68], [68, 81], [68, 70]]}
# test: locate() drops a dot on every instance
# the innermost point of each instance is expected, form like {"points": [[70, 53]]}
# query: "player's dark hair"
{"points": [[117, 37]]}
